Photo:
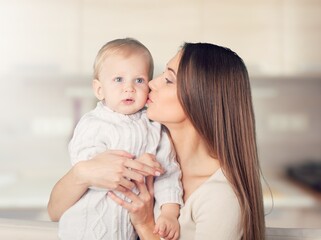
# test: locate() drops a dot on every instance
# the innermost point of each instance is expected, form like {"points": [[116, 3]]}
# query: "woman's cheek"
{"points": [[151, 112], [166, 113]]}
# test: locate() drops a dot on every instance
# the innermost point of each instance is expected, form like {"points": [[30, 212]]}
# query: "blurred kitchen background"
{"points": [[47, 48]]}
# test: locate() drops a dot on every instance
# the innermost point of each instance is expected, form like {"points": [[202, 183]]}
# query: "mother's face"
{"points": [[163, 103]]}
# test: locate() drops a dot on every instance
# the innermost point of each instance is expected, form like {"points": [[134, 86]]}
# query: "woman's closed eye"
{"points": [[168, 81]]}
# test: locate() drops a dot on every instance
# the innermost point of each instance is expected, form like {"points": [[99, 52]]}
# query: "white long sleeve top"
{"points": [[95, 216]]}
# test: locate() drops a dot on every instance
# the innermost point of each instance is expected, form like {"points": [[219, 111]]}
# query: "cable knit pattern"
{"points": [[94, 216]]}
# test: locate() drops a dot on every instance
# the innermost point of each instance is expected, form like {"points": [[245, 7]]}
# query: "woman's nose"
{"points": [[151, 84]]}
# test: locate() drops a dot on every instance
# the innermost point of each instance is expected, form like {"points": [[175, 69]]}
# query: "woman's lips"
{"points": [[149, 100]]}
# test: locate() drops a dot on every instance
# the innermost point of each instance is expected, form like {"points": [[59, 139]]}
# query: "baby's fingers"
{"points": [[176, 236], [172, 235], [156, 229], [162, 230]]}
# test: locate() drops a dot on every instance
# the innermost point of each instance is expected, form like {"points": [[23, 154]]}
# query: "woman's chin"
{"points": [[152, 115], [149, 113]]}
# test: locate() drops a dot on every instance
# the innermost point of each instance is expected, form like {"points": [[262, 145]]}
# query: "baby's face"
{"points": [[124, 82]]}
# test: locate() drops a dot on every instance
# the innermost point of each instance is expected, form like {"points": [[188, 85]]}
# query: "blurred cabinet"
{"points": [[294, 218], [302, 36], [161, 25], [275, 37], [251, 28], [40, 37]]}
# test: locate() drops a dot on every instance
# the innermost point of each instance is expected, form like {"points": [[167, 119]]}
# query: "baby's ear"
{"points": [[98, 90]]}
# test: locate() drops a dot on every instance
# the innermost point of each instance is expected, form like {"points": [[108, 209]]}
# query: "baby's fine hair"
{"points": [[125, 47]]}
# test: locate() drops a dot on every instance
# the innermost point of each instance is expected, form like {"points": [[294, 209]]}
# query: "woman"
{"points": [[204, 100]]}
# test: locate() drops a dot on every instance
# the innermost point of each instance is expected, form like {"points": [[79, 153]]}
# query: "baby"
{"points": [[122, 70]]}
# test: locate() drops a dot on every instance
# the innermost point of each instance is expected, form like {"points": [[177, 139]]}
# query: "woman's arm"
{"points": [[146, 231], [59, 201], [109, 170]]}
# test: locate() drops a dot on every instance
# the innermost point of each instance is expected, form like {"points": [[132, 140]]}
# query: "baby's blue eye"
{"points": [[139, 80], [118, 79]]}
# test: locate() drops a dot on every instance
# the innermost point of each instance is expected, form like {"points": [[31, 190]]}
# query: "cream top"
{"points": [[212, 212]]}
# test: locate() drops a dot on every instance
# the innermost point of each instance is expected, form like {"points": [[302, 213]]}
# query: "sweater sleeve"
{"points": [[217, 216], [168, 187], [88, 139]]}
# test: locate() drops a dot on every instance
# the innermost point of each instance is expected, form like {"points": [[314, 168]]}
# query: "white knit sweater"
{"points": [[95, 216]]}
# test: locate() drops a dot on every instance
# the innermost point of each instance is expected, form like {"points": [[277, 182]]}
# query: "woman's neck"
{"points": [[188, 143], [192, 153], [196, 163]]}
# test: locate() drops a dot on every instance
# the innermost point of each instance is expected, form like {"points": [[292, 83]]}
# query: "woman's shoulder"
{"points": [[213, 210], [216, 198], [214, 192], [218, 184]]}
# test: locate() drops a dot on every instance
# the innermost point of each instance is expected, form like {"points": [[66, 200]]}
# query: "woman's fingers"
{"points": [[121, 153], [150, 185], [120, 189], [150, 160], [126, 184], [119, 201], [144, 195], [130, 206], [142, 168], [133, 175], [116, 169], [139, 206]]}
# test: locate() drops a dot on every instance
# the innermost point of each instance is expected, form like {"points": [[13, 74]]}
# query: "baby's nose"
{"points": [[129, 87]]}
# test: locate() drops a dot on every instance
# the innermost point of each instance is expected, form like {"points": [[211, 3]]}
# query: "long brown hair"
{"points": [[214, 91]]}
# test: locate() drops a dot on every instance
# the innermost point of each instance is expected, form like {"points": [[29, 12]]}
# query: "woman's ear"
{"points": [[98, 90]]}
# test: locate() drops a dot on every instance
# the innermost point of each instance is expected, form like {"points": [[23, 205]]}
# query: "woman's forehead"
{"points": [[174, 62]]}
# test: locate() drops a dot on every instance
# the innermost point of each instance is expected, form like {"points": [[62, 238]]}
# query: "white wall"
{"points": [[273, 36]]}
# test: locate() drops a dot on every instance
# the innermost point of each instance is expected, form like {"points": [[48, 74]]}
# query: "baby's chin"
{"points": [[129, 111]]}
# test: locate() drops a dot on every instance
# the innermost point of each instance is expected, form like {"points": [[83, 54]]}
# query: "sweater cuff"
{"points": [[169, 195]]}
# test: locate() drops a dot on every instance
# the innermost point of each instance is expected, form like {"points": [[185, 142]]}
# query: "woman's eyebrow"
{"points": [[172, 70]]}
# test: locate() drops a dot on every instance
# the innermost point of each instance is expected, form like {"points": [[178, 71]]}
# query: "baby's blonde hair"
{"points": [[126, 47]]}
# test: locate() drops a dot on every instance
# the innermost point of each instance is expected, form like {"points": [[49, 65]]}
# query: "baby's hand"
{"points": [[167, 227]]}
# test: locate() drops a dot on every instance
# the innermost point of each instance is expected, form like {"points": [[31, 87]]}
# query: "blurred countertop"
{"points": [[27, 197], [282, 192], [20, 191], [33, 191]]}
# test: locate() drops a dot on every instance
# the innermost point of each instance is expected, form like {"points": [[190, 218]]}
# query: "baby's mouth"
{"points": [[128, 100]]}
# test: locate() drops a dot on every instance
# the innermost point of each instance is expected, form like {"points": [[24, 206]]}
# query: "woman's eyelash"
{"points": [[168, 81]]}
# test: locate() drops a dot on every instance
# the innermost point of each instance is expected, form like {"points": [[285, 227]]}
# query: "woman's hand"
{"points": [[111, 170], [114, 169], [140, 208], [150, 160]]}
